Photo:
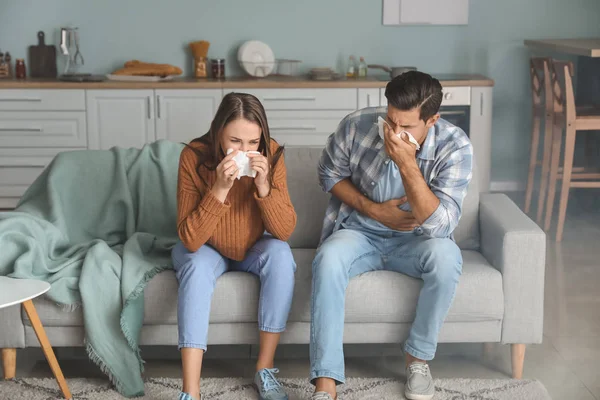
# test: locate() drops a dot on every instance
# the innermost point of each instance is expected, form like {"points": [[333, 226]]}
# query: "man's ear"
{"points": [[431, 121]]}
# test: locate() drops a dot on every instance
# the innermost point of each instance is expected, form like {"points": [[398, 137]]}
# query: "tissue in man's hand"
{"points": [[381, 121], [243, 163]]}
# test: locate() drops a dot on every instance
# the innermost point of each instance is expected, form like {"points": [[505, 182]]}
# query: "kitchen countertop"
{"points": [[580, 47], [239, 82]]}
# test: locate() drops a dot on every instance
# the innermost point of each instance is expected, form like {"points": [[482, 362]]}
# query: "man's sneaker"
{"points": [[267, 385], [321, 396], [185, 396], [419, 383]]}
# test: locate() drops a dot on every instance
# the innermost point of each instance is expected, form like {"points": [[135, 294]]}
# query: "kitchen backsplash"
{"points": [[320, 33]]}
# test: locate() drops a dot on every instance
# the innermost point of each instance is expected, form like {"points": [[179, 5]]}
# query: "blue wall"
{"points": [[320, 33]]}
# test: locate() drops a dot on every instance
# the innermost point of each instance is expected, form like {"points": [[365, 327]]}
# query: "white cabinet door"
{"points": [[368, 98], [382, 98], [182, 115], [123, 118]]}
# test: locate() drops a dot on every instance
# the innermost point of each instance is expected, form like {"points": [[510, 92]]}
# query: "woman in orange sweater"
{"points": [[230, 224]]}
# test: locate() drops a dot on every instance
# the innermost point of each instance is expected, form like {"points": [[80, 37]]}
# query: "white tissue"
{"points": [[411, 138], [243, 163]]}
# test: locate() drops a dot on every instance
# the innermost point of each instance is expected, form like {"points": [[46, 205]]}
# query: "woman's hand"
{"points": [[260, 164], [227, 171]]}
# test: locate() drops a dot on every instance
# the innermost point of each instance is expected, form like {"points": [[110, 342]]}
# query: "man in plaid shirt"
{"points": [[395, 203]]}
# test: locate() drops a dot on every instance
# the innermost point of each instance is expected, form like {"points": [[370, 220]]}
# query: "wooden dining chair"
{"points": [[572, 120], [541, 110]]}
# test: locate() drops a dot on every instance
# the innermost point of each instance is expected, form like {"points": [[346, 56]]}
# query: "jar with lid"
{"points": [[20, 70], [218, 68]]}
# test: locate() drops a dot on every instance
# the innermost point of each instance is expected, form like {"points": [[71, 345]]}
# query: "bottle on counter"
{"points": [[351, 70], [20, 70], [8, 58], [362, 68]]}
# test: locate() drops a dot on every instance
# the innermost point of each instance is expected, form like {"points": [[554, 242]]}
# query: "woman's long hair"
{"points": [[235, 106]]}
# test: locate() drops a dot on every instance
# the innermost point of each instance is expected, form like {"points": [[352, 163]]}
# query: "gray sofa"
{"points": [[499, 297]]}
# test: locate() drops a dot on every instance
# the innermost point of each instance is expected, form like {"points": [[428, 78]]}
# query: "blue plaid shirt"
{"points": [[357, 152]]}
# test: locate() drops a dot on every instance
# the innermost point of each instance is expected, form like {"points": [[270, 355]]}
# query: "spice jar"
{"points": [[20, 70], [218, 68]]}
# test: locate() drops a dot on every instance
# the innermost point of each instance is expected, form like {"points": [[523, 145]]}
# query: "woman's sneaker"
{"points": [[267, 385]]}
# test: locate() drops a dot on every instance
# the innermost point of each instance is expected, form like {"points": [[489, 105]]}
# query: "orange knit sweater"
{"points": [[233, 227]]}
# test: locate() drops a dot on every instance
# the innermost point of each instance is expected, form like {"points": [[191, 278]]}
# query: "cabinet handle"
{"points": [[452, 112], [289, 98], [480, 103], [149, 101], [368, 100], [22, 99], [294, 128], [158, 107], [21, 130]]}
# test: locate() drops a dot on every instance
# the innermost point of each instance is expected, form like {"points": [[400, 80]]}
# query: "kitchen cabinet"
{"points": [[122, 118], [368, 97], [182, 115], [36, 124]]}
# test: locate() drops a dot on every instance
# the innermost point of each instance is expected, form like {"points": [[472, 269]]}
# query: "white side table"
{"points": [[22, 291]]}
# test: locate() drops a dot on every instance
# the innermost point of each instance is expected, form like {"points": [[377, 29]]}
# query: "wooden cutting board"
{"points": [[42, 59]]}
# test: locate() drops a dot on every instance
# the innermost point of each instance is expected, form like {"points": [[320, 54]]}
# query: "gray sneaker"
{"points": [[267, 385], [419, 383], [321, 396]]}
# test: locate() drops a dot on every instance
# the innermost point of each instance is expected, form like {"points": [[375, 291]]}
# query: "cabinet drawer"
{"points": [[43, 129], [456, 96], [42, 100], [305, 99], [452, 96], [303, 128]]}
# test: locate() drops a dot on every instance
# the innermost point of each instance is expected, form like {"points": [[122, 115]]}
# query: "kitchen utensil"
{"points": [[393, 71], [139, 78], [287, 67], [69, 46], [82, 78], [42, 59], [323, 74], [256, 58], [77, 53]]}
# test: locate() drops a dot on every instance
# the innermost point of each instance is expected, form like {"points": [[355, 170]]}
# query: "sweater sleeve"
{"points": [[276, 208], [197, 214]]}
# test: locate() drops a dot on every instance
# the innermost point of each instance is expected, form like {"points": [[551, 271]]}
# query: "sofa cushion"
{"points": [[392, 296], [307, 197], [310, 201]]}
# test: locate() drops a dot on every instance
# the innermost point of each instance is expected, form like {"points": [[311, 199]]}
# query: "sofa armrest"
{"points": [[516, 247], [12, 331]]}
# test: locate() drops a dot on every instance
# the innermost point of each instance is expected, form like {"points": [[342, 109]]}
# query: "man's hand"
{"points": [[391, 216], [398, 148]]}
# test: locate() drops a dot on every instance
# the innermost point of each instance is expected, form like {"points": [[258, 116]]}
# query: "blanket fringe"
{"points": [[105, 368], [139, 289]]}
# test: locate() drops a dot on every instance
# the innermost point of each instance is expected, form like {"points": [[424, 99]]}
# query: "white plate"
{"points": [[133, 78], [256, 58]]}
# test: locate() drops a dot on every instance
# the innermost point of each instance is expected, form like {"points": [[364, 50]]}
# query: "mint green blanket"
{"points": [[98, 225]]}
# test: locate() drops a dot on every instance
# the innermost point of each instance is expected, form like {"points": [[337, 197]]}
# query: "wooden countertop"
{"points": [[238, 82], [580, 47]]}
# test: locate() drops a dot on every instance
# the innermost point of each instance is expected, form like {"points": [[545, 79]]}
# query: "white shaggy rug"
{"points": [[238, 389]]}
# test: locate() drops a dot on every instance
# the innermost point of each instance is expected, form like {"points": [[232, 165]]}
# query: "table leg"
{"points": [[45, 343]]}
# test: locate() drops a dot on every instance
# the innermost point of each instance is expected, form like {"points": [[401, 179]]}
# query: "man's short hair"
{"points": [[415, 89]]}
